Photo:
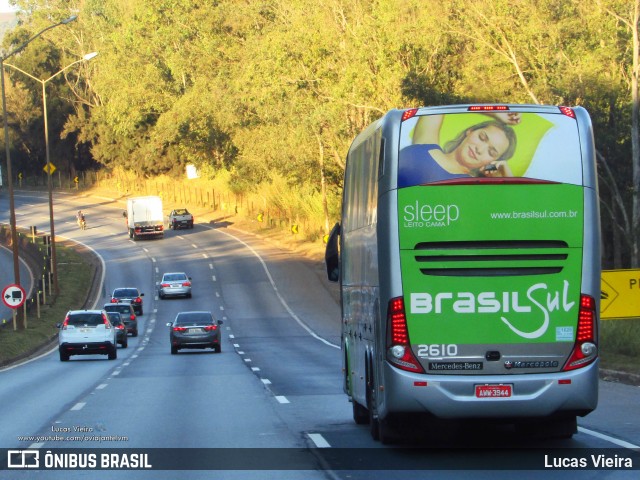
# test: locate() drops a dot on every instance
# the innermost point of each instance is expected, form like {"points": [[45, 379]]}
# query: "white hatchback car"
{"points": [[175, 284], [87, 332]]}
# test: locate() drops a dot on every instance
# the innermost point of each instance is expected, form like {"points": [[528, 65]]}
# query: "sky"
{"points": [[5, 7]]}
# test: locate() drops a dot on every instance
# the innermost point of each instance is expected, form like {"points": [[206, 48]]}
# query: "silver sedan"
{"points": [[175, 284]]}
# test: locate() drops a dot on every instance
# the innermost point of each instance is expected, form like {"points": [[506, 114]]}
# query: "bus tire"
{"points": [[374, 425], [360, 413], [386, 431], [382, 429]]}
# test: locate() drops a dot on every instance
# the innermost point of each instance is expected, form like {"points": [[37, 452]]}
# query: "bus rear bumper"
{"points": [[454, 396]]}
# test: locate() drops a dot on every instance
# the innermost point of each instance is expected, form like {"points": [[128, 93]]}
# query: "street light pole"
{"points": [[54, 259], [54, 262], [12, 211]]}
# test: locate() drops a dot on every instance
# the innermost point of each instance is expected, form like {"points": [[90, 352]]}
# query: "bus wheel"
{"points": [[382, 430], [386, 432], [360, 413], [374, 425]]}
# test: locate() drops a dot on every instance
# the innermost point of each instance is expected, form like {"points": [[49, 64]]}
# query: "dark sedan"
{"points": [[195, 330], [129, 295], [122, 336], [128, 315]]}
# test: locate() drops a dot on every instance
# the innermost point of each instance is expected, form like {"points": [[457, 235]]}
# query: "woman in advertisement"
{"points": [[481, 150]]}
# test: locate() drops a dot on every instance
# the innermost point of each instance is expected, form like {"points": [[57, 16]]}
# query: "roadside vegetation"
{"points": [[275, 206], [75, 274], [619, 339], [269, 95], [264, 98], [620, 345]]}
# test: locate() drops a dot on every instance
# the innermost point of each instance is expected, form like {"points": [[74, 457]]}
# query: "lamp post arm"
{"points": [[21, 47], [22, 71], [50, 78], [62, 70]]}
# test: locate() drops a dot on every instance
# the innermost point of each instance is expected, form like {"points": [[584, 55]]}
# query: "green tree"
{"points": [[275, 91]]}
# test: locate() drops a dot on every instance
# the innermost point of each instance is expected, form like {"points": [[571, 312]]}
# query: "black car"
{"points": [[128, 315], [129, 295], [122, 336], [195, 330]]}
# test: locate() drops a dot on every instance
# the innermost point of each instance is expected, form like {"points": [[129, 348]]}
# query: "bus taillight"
{"points": [[399, 351], [407, 114], [488, 108], [568, 111], [585, 350]]}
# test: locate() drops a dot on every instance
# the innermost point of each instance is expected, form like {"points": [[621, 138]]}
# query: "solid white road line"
{"points": [[275, 289], [602, 436]]}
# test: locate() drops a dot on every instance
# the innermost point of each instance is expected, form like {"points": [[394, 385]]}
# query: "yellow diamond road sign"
{"points": [[49, 168], [620, 294]]}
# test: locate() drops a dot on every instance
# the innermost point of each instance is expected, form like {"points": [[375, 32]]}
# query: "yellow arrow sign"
{"points": [[620, 294], [49, 168], [294, 228]]}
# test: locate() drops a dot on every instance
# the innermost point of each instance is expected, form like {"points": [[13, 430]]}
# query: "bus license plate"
{"points": [[493, 391]]}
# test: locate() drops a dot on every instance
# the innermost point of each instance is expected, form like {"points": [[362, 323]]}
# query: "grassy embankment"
{"points": [[75, 274], [620, 345]]}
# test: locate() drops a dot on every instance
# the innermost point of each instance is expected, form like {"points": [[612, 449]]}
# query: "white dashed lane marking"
{"points": [[319, 440]]}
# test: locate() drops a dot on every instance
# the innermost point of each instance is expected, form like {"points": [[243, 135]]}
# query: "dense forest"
{"points": [[272, 92]]}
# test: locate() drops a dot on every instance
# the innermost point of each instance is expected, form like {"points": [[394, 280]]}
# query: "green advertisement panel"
{"points": [[491, 263]]}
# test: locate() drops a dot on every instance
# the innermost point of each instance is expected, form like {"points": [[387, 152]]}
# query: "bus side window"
{"points": [[381, 159]]}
